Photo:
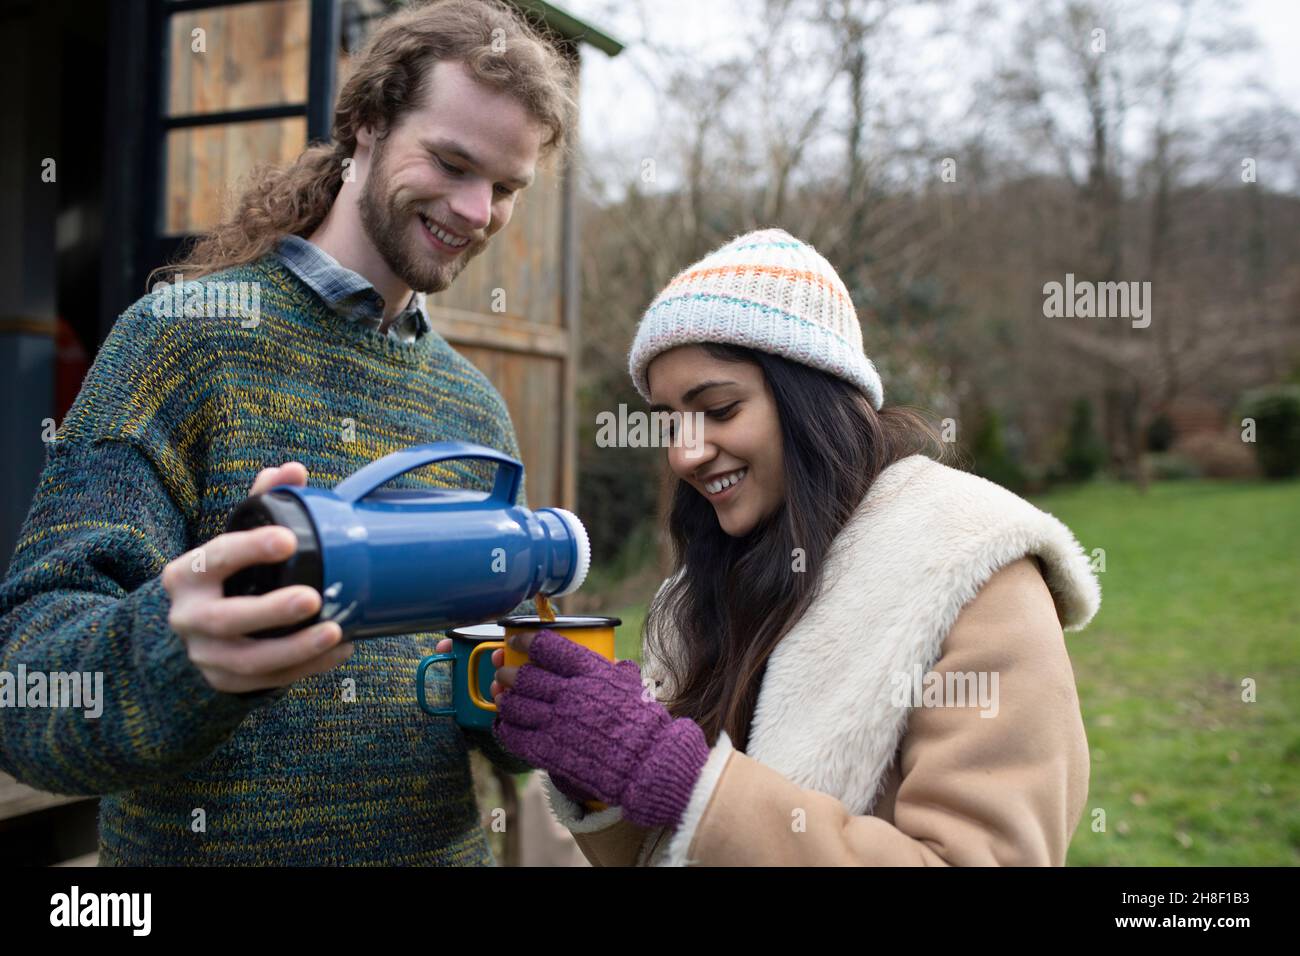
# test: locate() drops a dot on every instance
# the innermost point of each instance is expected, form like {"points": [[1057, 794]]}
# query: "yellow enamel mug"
{"points": [[593, 633]]}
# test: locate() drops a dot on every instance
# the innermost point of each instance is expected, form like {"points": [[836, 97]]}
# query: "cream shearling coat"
{"points": [[937, 571]]}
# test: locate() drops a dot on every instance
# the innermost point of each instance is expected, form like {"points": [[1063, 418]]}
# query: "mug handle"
{"points": [[419, 684], [475, 697]]}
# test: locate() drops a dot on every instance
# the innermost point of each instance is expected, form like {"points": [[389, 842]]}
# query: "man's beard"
{"points": [[387, 224]]}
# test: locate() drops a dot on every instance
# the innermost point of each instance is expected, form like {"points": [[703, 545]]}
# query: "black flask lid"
{"points": [[301, 567]]}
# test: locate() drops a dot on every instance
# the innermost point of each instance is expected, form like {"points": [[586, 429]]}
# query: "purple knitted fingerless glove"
{"points": [[571, 789], [591, 724]]}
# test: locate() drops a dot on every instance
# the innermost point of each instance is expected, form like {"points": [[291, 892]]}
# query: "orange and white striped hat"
{"points": [[765, 290]]}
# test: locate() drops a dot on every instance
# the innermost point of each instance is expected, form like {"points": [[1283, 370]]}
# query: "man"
{"points": [[212, 747]]}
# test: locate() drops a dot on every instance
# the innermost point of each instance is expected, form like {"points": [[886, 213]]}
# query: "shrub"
{"points": [[1276, 411], [1084, 452], [1217, 454], [990, 458], [1160, 434]]}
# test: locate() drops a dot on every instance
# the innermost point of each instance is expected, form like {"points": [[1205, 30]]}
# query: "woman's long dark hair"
{"points": [[737, 597]]}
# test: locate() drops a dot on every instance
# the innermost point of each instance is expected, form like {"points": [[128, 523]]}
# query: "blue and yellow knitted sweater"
{"points": [[173, 422]]}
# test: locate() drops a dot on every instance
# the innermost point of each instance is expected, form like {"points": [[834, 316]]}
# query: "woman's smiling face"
{"points": [[740, 438]]}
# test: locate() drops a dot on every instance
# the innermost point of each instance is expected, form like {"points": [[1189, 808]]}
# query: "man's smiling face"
{"points": [[445, 179]]}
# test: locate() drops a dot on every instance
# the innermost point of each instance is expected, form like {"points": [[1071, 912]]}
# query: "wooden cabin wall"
{"points": [[256, 55], [505, 313]]}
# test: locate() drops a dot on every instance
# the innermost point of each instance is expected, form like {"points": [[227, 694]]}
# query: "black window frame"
{"points": [[155, 247]]}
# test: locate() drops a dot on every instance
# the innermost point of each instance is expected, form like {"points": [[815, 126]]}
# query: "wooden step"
{"points": [[18, 799]]}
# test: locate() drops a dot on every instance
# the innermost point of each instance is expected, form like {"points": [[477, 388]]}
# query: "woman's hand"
{"points": [[592, 724], [566, 787]]}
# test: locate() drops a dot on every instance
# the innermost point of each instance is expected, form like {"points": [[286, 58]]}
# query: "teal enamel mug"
{"points": [[455, 679]]}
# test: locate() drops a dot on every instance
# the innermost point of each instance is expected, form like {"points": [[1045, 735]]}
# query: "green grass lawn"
{"points": [[1201, 591]]}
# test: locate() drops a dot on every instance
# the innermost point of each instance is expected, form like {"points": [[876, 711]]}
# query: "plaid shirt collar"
{"points": [[348, 293]]}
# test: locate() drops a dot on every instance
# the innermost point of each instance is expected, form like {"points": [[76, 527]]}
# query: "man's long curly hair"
{"points": [[389, 79]]}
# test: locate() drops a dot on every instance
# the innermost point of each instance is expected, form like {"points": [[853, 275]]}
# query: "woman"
{"points": [[859, 657]]}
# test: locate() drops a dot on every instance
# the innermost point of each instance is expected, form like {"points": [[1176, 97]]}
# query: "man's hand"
{"points": [[214, 627]]}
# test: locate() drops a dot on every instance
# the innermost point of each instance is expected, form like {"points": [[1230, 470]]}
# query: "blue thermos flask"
{"points": [[400, 561]]}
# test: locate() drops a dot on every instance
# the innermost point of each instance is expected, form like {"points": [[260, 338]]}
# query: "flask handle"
{"points": [[361, 483]]}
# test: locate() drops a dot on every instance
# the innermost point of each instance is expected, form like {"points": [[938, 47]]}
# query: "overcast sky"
{"points": [[619, 107]]}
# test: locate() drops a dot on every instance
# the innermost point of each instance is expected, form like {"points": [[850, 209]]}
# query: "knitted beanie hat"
{"points": [[765, 290]]}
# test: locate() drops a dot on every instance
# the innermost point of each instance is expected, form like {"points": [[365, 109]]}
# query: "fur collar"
{"points": [[924, 541]]}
